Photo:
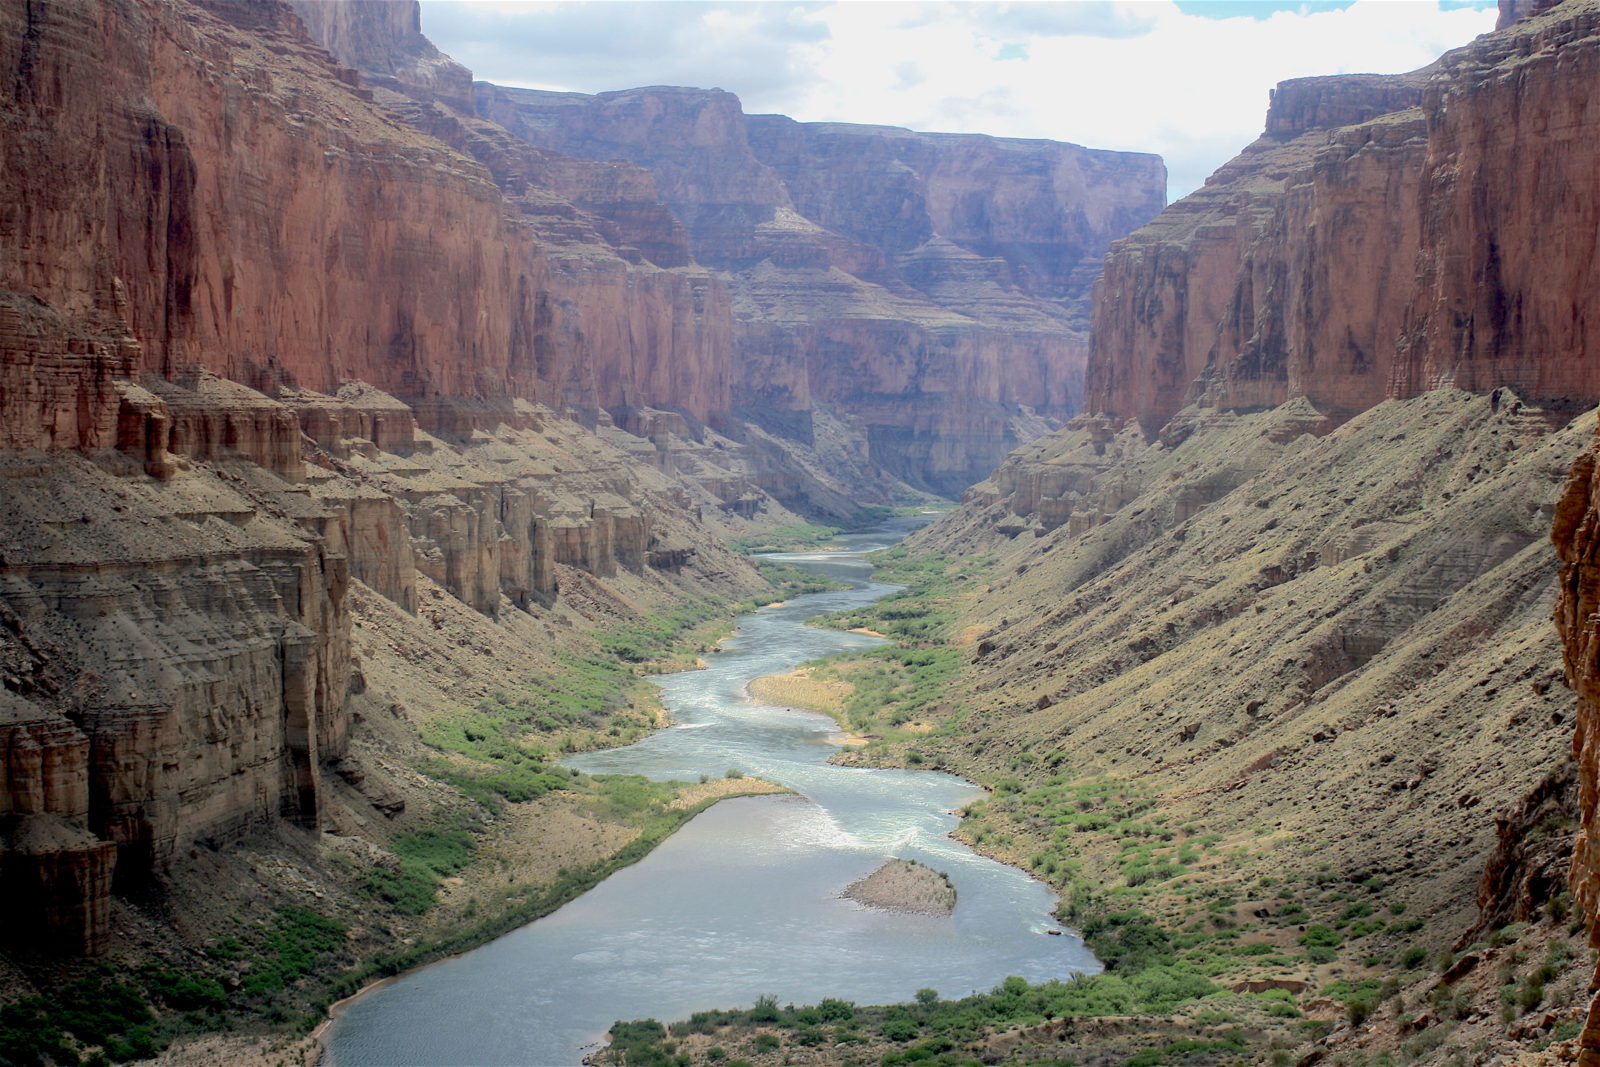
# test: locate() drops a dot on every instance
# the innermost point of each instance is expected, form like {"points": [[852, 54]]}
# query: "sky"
{"points": [[1187, 79]]}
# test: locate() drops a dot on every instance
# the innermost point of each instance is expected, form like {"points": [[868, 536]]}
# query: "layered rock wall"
{"points": [[235, 296], [1388, 235], [1576, 533], [1275, 279], [928, 288], [189, 638], [234, 202]]}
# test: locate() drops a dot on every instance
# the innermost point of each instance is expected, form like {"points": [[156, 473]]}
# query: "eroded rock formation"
{"points": [[1576, 534], [928, 289], [263, 342], [1387, 235]]}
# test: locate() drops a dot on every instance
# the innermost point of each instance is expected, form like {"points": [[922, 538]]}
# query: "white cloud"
{"points": [[1140, 76]]}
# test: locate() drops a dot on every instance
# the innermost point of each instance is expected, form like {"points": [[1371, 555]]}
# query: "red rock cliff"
{"points": [[1576, 534], [203, 208], [1387, 236], [255, 214], [926, 288]]}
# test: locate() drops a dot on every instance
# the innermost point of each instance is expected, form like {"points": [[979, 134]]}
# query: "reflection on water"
{"points": [[742, 901]]}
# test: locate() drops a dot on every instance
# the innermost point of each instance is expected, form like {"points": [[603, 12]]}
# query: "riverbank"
{"points": [[736, 887], [537, 857]]}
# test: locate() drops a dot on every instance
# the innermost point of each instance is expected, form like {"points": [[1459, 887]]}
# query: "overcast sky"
{"points": [[1187, 79]]}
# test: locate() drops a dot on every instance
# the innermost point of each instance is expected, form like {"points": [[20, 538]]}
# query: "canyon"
{"points": [[354, 413], [1260, 645], [334, 408]]}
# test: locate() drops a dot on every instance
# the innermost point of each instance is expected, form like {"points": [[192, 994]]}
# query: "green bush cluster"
{"points": [[427, 856], [93, 1011], [790, 580], [891, 685], [794, 535], [517, 783], [299, 942], [933, 1029], [629, 796]]}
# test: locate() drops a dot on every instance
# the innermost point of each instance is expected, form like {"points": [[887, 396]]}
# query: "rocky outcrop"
{"points": [[905, 886], [1387, 236], [1576, 534], [185, 646], [384, 41], [54, 870], [236, 379], [927, 289]]}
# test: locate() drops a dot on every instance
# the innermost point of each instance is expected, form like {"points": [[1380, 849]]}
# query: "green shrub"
{"points": [[426, 857], [299, 942], [901, 1029], [765, 1010], [1318, 935]]}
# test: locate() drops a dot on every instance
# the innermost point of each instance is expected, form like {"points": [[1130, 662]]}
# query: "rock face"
{"points": [[183, 650], [1576, 534], [255, 215], [1386, 236], [928, 289], [263, 342]]}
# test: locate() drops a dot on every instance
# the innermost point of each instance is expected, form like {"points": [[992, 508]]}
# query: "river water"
{"points": [[742, 901]]}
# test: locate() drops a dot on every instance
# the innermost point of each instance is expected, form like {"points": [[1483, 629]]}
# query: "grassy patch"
{"points": [[791, 580], [425, 857], [795, 535], [105, 1017], [928, 1029], [898, 692]]}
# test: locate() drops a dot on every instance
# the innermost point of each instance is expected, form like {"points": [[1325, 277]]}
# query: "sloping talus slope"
{"points": [[1292, 573], [1301, 633]]}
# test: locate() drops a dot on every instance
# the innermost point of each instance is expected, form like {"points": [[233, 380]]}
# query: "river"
{"points": [[744, 900]]}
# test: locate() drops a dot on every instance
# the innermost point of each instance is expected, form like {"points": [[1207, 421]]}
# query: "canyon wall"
{"points": [[1386, 236], [1291, 571], [1576, 534], [263, 343], [929, 290], [255, 215]]}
